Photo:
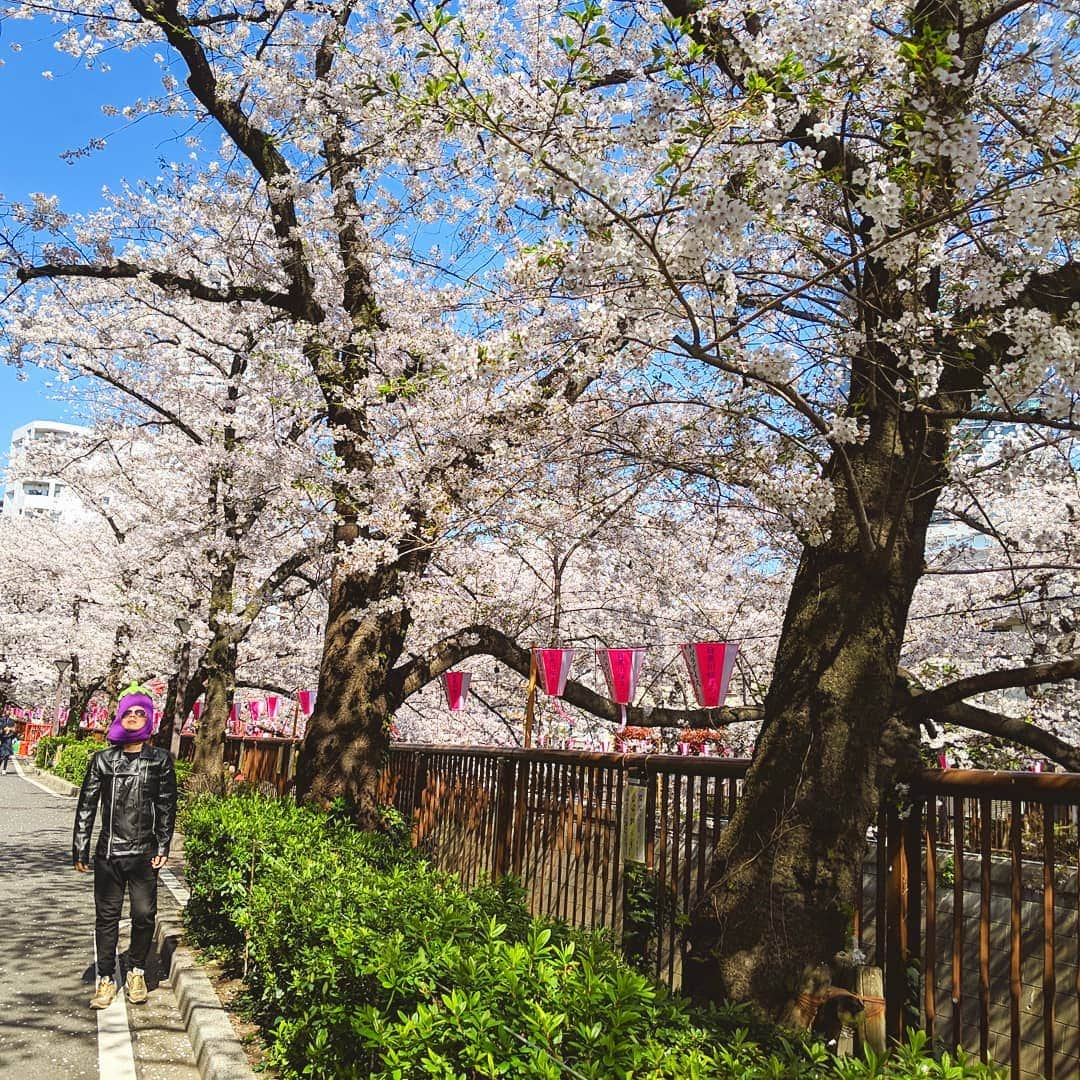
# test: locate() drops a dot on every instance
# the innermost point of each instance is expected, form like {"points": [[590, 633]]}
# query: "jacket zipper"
{"points": [[112, 809]]}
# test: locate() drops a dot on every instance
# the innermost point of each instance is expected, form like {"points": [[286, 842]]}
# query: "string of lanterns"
{"points": [[709, 663]]}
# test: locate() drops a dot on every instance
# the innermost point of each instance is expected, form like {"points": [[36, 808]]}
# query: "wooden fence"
{"points": [[258, 760], [968, 900]]}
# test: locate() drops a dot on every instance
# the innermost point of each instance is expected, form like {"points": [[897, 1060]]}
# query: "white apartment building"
{"points": [[29, 495]]}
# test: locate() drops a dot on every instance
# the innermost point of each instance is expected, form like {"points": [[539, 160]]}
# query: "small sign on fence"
{"points": [[633, 820]]}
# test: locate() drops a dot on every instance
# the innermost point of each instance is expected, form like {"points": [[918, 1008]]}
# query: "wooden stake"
{"points": [[870, 986], [530, 702]]}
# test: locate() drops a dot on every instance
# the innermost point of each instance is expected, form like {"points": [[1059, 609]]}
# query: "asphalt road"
{"points": [[47, 1030]]}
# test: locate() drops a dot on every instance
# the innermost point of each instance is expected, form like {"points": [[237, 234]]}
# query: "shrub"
{"points": [[47, 747], [73, 759], [361, 960]]}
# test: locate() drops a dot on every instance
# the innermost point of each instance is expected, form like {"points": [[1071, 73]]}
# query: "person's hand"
{"points": [[158, 861], [82, 867]]}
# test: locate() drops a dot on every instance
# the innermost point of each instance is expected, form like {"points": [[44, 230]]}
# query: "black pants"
{"points": [[111, 876]]}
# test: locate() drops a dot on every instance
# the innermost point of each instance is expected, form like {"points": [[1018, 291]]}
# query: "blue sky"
{"points": [[43, 118]]}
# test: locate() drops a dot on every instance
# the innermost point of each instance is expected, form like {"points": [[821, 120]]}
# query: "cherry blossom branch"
{"points": [[257, 145], [931, 702], [269, 587], [912, 699], [143, 399], [1013, 730], [1002, 416], [995, 16], [412, 676], [165, 280]]}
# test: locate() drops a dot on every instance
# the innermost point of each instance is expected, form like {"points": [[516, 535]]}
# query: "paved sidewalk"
{"points": [[47, 1030]]}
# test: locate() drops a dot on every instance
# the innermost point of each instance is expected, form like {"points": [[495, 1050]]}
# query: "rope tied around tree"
{"points": [[872, 1005]]}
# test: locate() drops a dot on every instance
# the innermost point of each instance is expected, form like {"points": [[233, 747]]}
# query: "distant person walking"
{"points": [[135, 784], [7, 743]]}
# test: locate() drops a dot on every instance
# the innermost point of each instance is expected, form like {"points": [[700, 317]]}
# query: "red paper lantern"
{"points": [[622, 669], [553, 669], [710, 664], [306, 699], [456, 688]]}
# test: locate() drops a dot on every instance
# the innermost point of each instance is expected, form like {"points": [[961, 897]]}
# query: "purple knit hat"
{"points": [[134, 696]]}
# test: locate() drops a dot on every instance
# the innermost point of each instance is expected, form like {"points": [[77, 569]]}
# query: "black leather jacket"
{"points": [[138, 803]]}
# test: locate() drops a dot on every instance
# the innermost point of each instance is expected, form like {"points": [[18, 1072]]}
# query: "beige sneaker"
{"points": [[105, 993], [135, 988]]}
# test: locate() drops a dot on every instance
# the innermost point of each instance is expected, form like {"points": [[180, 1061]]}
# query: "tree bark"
{"points": [[348, 734], [778, 903]]}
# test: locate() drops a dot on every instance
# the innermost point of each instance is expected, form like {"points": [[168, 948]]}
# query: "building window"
{"points": [[57, 488], [36, 487]]}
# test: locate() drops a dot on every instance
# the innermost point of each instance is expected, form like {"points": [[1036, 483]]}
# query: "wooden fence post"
{"points": [[504, 818], [895, 882], [420, 770], [903, 915]]}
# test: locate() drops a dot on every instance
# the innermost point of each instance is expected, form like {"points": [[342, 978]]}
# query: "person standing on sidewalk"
{"points": [[7, 743], [135, 782]]}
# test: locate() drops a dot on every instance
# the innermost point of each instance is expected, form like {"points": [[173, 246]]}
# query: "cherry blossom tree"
{"points": [[329, 209], [814, 244], [207, 444], [855, 230]]}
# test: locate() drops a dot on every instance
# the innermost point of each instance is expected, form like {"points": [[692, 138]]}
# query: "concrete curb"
{"points": [[47, 779], [219, 1054]]}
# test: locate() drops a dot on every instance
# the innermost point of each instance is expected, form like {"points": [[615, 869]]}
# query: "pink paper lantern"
{"points": [[234, 717], [306, 699], [943, 761], [622, 669], [710, 664], [196, 710], [553, 669], [255, 708], [273, 702], [456, 688]]}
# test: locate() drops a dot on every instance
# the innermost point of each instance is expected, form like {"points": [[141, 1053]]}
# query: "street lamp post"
{"points": [[61, 669]]}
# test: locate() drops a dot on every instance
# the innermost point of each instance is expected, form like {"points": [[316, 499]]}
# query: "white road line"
{"points": [[181, 893], [29, 780], [116, 1057]]}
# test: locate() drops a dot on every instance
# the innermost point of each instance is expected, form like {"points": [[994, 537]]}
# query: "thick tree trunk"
{"points": [[779, 902], [348, 734], [75, 707], [220, 667]]}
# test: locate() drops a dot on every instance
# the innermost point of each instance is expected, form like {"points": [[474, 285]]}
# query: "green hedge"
{"points": [[47, 745], [74, 759], [361, 960]]}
